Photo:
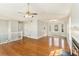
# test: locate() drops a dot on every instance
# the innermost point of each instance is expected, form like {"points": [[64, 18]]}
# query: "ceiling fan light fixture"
{"points": [[29, 13], [53, 20], [26, 16]]}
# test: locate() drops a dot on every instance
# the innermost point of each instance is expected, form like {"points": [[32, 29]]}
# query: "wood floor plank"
{"points": [[28, 47]]}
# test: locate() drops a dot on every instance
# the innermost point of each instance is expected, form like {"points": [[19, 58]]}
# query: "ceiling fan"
{"points": [[28, 13]]}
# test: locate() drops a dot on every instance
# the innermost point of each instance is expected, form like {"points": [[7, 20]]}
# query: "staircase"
{"points": [[75, 47]]}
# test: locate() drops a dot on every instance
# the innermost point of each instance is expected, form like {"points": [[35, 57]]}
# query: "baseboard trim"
{"points": [[8, 41], [35, 37]]}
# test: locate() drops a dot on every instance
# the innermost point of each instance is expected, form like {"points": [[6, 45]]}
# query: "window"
{"points": [[56, 28]]}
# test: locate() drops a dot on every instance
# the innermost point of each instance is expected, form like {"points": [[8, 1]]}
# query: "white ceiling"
{"points": [[11, 11]]}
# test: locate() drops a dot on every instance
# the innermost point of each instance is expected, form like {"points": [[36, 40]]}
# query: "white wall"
{"points": [[13, 30], [30, 28], [42, 28], [9, 31], [3, 30], [14, 26], [35, 29], [75, 15], [3, 26]]}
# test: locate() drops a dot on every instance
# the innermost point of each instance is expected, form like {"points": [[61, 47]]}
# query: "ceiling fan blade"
{"points": [[29, 13], [21, 13], [34, 13]]}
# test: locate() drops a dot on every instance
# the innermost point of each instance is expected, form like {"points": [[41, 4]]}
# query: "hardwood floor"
{"points": [[29, 47]]}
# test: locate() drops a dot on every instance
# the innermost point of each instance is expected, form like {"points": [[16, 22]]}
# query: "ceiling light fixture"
{"points": [[29, 13]]}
